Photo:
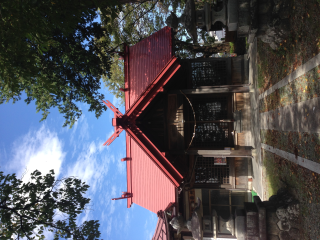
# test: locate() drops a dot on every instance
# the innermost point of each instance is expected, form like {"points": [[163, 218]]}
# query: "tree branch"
{"points": [[206, 50], [140, 16], [4, 200], [35, 220], [144, 13], [131, 11], [21, 224]]}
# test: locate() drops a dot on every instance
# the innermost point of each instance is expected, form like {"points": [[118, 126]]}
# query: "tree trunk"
{"points": [[206, 50]]}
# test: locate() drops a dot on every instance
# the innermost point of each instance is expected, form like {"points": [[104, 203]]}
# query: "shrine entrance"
{"points": [[209, 123]]}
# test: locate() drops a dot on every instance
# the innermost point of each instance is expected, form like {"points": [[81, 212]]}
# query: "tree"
{"points": [[48, 51], [28, 209], [116, 81], [136, 22], [138, 19]]}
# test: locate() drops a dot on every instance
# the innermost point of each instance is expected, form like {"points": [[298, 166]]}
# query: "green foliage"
{"points": [[231, 47], [47, 50], [116, 80], [136, 21], [28, 209]]}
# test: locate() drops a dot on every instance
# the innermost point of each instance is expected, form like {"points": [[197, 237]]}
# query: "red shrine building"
{"points": [[186, 124]]}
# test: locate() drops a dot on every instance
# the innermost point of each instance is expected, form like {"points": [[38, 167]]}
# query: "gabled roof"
{"points": [[161, 232], [144, 62], [151, 179]]}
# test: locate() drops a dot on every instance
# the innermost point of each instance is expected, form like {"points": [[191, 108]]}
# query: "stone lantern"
{"points": [[268, 20]]}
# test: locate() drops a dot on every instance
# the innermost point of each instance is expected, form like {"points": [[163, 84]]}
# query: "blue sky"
{"points": [[27, 144]]}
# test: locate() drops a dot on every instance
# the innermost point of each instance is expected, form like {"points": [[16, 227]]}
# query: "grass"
{"points": [[302, 44], [274, 182], [231, 47]]}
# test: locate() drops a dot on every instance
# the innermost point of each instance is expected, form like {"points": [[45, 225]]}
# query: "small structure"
{"points": [[185, 123], [276, 219]]}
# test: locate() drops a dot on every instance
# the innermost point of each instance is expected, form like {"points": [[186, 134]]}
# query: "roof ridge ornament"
{"points": [[116, 122]]}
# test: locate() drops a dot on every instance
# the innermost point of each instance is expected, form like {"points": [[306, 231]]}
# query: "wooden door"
{"points": [[209, 122]]}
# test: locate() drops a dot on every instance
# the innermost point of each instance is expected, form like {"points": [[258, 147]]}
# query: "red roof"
{"points": [[161, 230], [146, 59], [149, 186], [151, 178]]}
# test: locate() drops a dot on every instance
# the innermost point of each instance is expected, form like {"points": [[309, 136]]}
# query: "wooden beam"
{"points": [[211, 90], [216, 153]]}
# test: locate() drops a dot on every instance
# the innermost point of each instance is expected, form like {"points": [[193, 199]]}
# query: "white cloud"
{"points": [[41, 150], [114, 190], [116, 102], [101, 147], [74, 129], [86, 167], [84, 131], [91, 166], [111, 158], [150, 225], [121, 166], [112, 207], [109, 227], [37, 150], [146, 224], [87, 216], [103, 216], [127, 221]]}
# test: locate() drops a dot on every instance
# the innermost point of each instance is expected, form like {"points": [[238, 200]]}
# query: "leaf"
{"points": [[27, 195], [52, 65]]}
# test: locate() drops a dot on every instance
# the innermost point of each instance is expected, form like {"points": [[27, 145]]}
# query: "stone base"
{"points": [[232, 15], [274, 25], [270, 219], [282, 216], [240, 226]]}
